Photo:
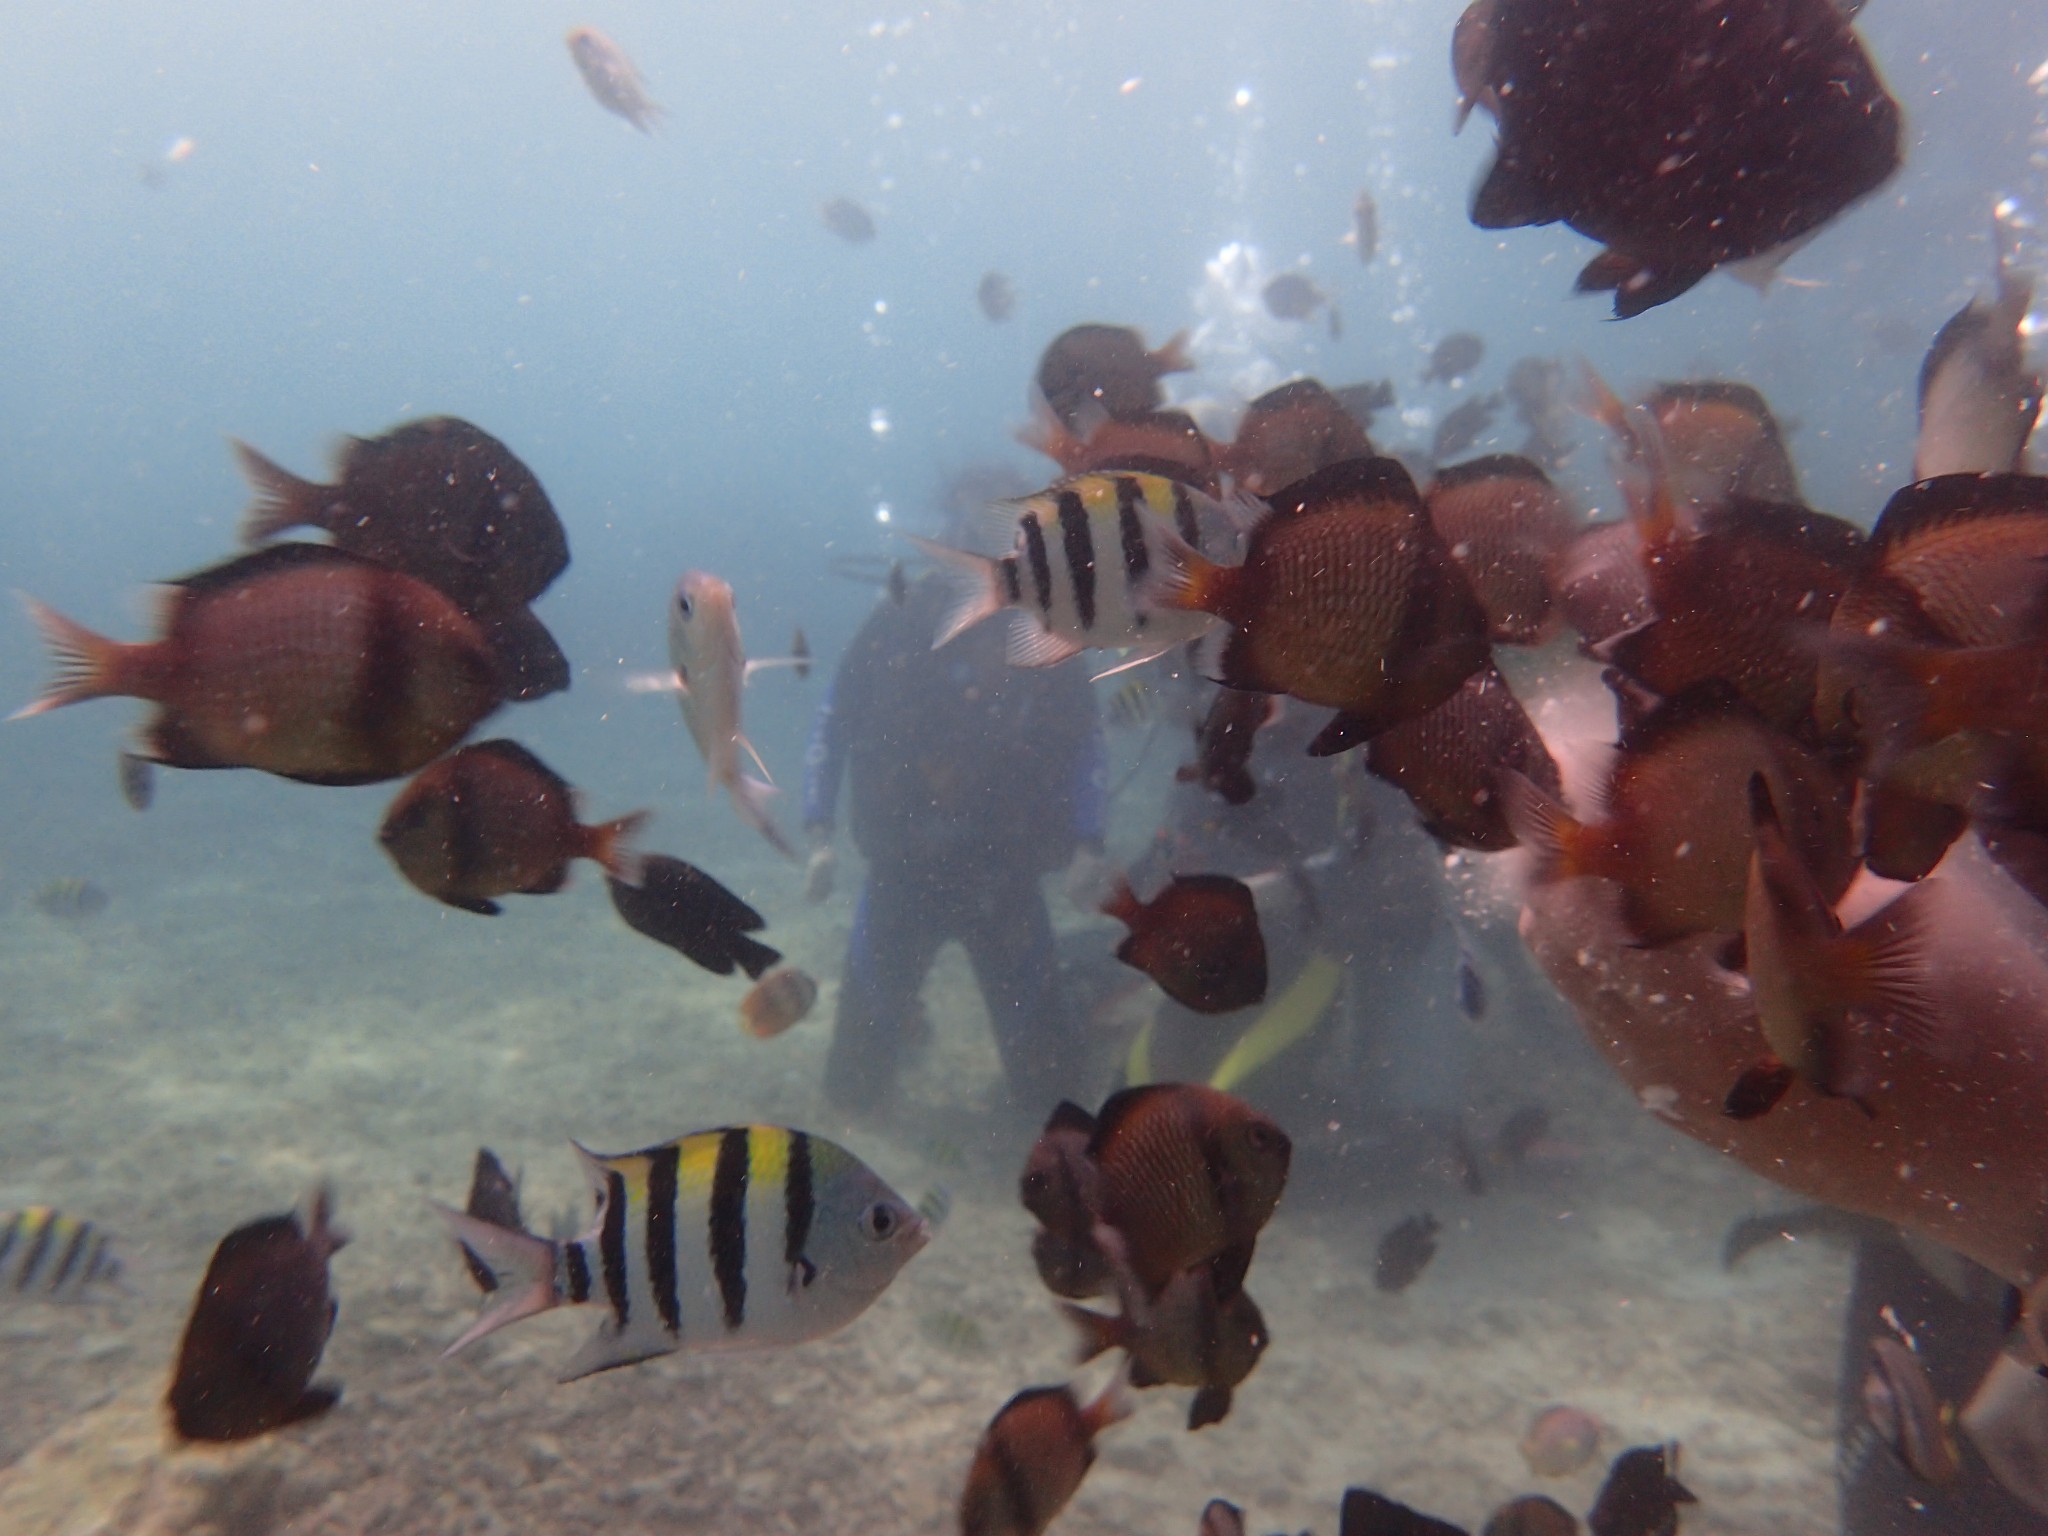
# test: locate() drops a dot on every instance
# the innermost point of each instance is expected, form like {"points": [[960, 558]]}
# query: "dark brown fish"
{"points": [[1223, 744], [1448, 762], [1363, 402], [1293, 296], [677, 904], [1531, 1515], [1091, 368], [493, 1197], [1032, 1458], [1506, 525], [1291, 432], [1472, 61], [612, 78], [1405, 1252], [257, 1330], [1900, 1404], [779, 1001], [1641, 1495], [1782, 118], [1453, 358], [1165, 443], [302, 660], [1365, 227], [1723, 442], [1062, 1187], [1189, 1175], [1463, 426], [1347, 598], [1365, 1513], [997, 296], [1186, 1336], [848, 220], [493, 819], [1199, 939]]}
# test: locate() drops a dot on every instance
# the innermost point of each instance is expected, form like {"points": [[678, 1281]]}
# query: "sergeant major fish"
{"points": [[53, 1257], [745, 1237]]}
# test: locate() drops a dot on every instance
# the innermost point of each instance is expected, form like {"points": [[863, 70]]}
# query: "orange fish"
{"points": [[301, 660], [493, 819], [1347, 597], [778, 1001], [1199, 939], [1291, 432], [1505, 525], [1032, 1458]]}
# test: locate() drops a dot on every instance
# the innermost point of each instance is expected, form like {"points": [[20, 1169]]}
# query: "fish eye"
{"points": [[878, 1222], [1262, 1138], [683, 604]]}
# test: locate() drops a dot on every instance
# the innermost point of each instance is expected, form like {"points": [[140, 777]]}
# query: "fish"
{"points": [[1560, 1439], [848, 220], [1293, 296], [1167, 443], [1506, 525], [493, 1197], [742, 1237], [711, 668], [1463, 426], [1032, 1458], [1291, 1018], [1520, 1133], [1531, 1515], [1366, 1513], [1723, 442], [1363, 402], [258, 1327], [1094, 368], [1815, 985], [1899, 1402], [1641, 1495], [1472, 61], [1365, 227], [1451, 359], [1536, 389], [1749, 1233], [1785, 122], [1078, 574], [49, 1256], [1224, 738], [1448, 762], [1978, 399], [1062, 1187], [1347, 598], [1291, 432], [1676, 837], [779, 1001], [493, 819], [1186, 1336], [70, 898], [138, 780], [1220, 1517], [301, 660], [1188, 1176], [677, 904], [1471, 987], [997, 296], [1404, 1253], [1199, 939], [612, 78]]}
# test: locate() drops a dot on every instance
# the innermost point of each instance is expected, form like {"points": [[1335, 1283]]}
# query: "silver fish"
{"points": [[711, 668], [1978, 402]]}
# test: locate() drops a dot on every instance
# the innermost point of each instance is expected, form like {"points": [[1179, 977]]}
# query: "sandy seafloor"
{"points": [[203, 1051]]}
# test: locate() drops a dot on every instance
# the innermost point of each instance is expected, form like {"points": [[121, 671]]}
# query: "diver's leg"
{"points": [[896, 934], [1007, 932]]}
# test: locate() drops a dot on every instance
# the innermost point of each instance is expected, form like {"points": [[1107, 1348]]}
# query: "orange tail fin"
{"points": [[610, 844], [89, 665], [1172, 356], [282, 501], [1097, 1332], [1554, 838]]}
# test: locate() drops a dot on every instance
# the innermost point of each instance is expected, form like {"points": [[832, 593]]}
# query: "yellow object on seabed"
{"points": [[1292, 1017]]}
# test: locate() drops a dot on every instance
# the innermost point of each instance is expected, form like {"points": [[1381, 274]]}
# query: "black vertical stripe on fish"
{"points": [[7, 1242], [1018, 1489], [1013, 585], [97, 1264], [1130, 527], [1041, 565], [611, 1246], [661, 1235], [72, 1250], [1184, 520], [1077, 543], [799, 1201], [579, 1272], [729, 1224], [379, 713], [36, 1250]]}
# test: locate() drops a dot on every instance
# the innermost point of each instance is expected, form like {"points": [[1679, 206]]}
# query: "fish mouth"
{"points": [[917, 1235]]}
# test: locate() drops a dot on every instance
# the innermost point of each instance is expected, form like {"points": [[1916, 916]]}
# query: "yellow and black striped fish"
{"points": [[51, 1256], [744, 1237], [1077, 571]]}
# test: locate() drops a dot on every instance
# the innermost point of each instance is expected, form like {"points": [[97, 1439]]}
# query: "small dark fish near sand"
{"points": [[257, 1330], [779, 1001], [1221, 1518], [1032, 1458], [48, 1256], [677, 904], [1453, 357], [70, 898], [997, 296], [612, 78], [1062, 1187], [1366, 1513], [848, 220], [1531, 1515], [1899, 1401], [1405, 1252], [1199, 939], [493, 1197], [1641, 1495]]}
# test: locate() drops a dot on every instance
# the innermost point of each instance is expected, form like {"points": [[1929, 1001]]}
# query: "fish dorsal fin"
{"points": [[269, 561], [512, 752], [596, 1170], [1511, 197], [1490, 466], [1069, 1116], [1950, 500], [1119, 1107], [1379, 481], [1830, 540]]}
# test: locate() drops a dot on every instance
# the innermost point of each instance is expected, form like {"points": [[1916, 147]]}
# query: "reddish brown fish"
{"points": [[1448, 762], [1186, 1336], [257, 1330], [1531, 1515], [779, 1001], [1223, 743], [1188, 1175], [1089, 369], [1506, 525], [493, 819], [1199, 939], [1062, 1187], [1165, 443], [1032, 1458], [304, 661], [1291, 432], [1724, 442], [1347, 597]]}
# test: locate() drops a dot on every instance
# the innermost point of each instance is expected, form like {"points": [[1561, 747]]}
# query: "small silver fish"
{"points": [[612, 78], [711, 667], [1978, 401]]}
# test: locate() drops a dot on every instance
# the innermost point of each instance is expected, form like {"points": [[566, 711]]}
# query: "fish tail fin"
{"points": [[1099, 1332], [1172, 356], [1552, 835], [1884, 968], [1112, 1405], [1187, 579], [1640, 462], [282, 501], [1045, 433], [610, 843], [1121, 902], [522, 1264], [752, 798], [89, 665], [976, 583]]}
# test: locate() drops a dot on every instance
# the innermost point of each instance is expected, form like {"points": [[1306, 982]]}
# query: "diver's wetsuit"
{"points": [[971, 779]]}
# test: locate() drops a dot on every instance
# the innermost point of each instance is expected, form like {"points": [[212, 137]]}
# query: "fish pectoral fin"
{"points": [[1211, 1406], [801, 1274], [1758, 1090], [748, 747], [1511, 197], [1033, 645], [657, 682], [610, 1347]]}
